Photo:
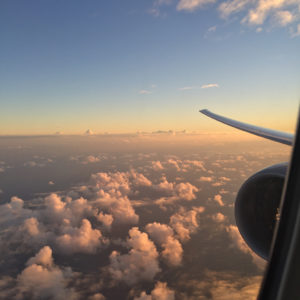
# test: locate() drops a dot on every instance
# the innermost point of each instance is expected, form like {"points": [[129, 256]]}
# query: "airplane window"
{"points": [[112, 184]]}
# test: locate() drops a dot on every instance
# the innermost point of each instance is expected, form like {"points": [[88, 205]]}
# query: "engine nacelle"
{"points": [[257, 207]]}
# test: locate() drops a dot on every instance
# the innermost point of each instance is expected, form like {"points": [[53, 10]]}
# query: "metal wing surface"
{"points": [[274, 135]]}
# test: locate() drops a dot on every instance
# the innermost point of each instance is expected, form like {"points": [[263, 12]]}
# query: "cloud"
{"points": [[218, 199], [43, 257], [106, 219], [206, 178], [41, 279], [97, 296], [140, 264], [145, 92], [185, 222], [173, 163], [84, 239], [157, 166], [188, 88], [163, 235], [89, 132], [281, 12], [209, 86], [180, 191], [295, 32], [139, 179], [160, 292], [224, 286], [231, 7], [284, 17], [191, 5], [251, 12], [218, 217], [242, 246]]}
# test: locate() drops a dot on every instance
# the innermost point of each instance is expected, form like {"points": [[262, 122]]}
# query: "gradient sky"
{"points": [[123, 66]]}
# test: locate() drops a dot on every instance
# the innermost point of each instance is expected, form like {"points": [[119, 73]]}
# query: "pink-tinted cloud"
{"points": [[160, 292], [140, 264]]}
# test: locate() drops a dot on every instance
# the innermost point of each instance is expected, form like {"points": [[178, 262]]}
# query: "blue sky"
{"points": [[123, 66]]}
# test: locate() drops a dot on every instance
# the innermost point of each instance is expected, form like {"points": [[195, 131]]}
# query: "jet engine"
{"points": [[257, 207]]}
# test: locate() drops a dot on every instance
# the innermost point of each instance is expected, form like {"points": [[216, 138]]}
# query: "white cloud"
{"points": [[284, 17], [188, 88], [191, 5], [231, 7], [209, 86], [251, 12], [145, 92]]}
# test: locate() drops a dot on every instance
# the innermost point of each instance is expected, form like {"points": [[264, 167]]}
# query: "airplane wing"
{"points": [[274, 135]]}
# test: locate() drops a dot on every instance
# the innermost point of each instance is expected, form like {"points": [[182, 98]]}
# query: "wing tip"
{"points": [[204, 111]]}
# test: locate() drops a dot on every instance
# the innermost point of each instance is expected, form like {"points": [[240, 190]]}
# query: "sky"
{"points": [[142, 65]]}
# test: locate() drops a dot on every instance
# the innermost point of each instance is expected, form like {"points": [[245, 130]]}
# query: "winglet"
{"points": [[274, 135]]}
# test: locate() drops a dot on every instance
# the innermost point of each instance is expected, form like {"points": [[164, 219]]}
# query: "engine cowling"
{"points": [[257, 207]]}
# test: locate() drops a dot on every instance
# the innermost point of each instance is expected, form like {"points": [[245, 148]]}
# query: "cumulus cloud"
{"points": [[173, 163], [218, 217], [90, 159], [157, 166], [139, 179], [224, 286], [86, 159], [180, 191], [163, 235], [160, 292], [111, 191], [140, 264], [185, 222], [97, 296], [43, 257], [242, 246], [106, 219], [84, 239], [194, 163], [218, 199], [41, 279]]}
